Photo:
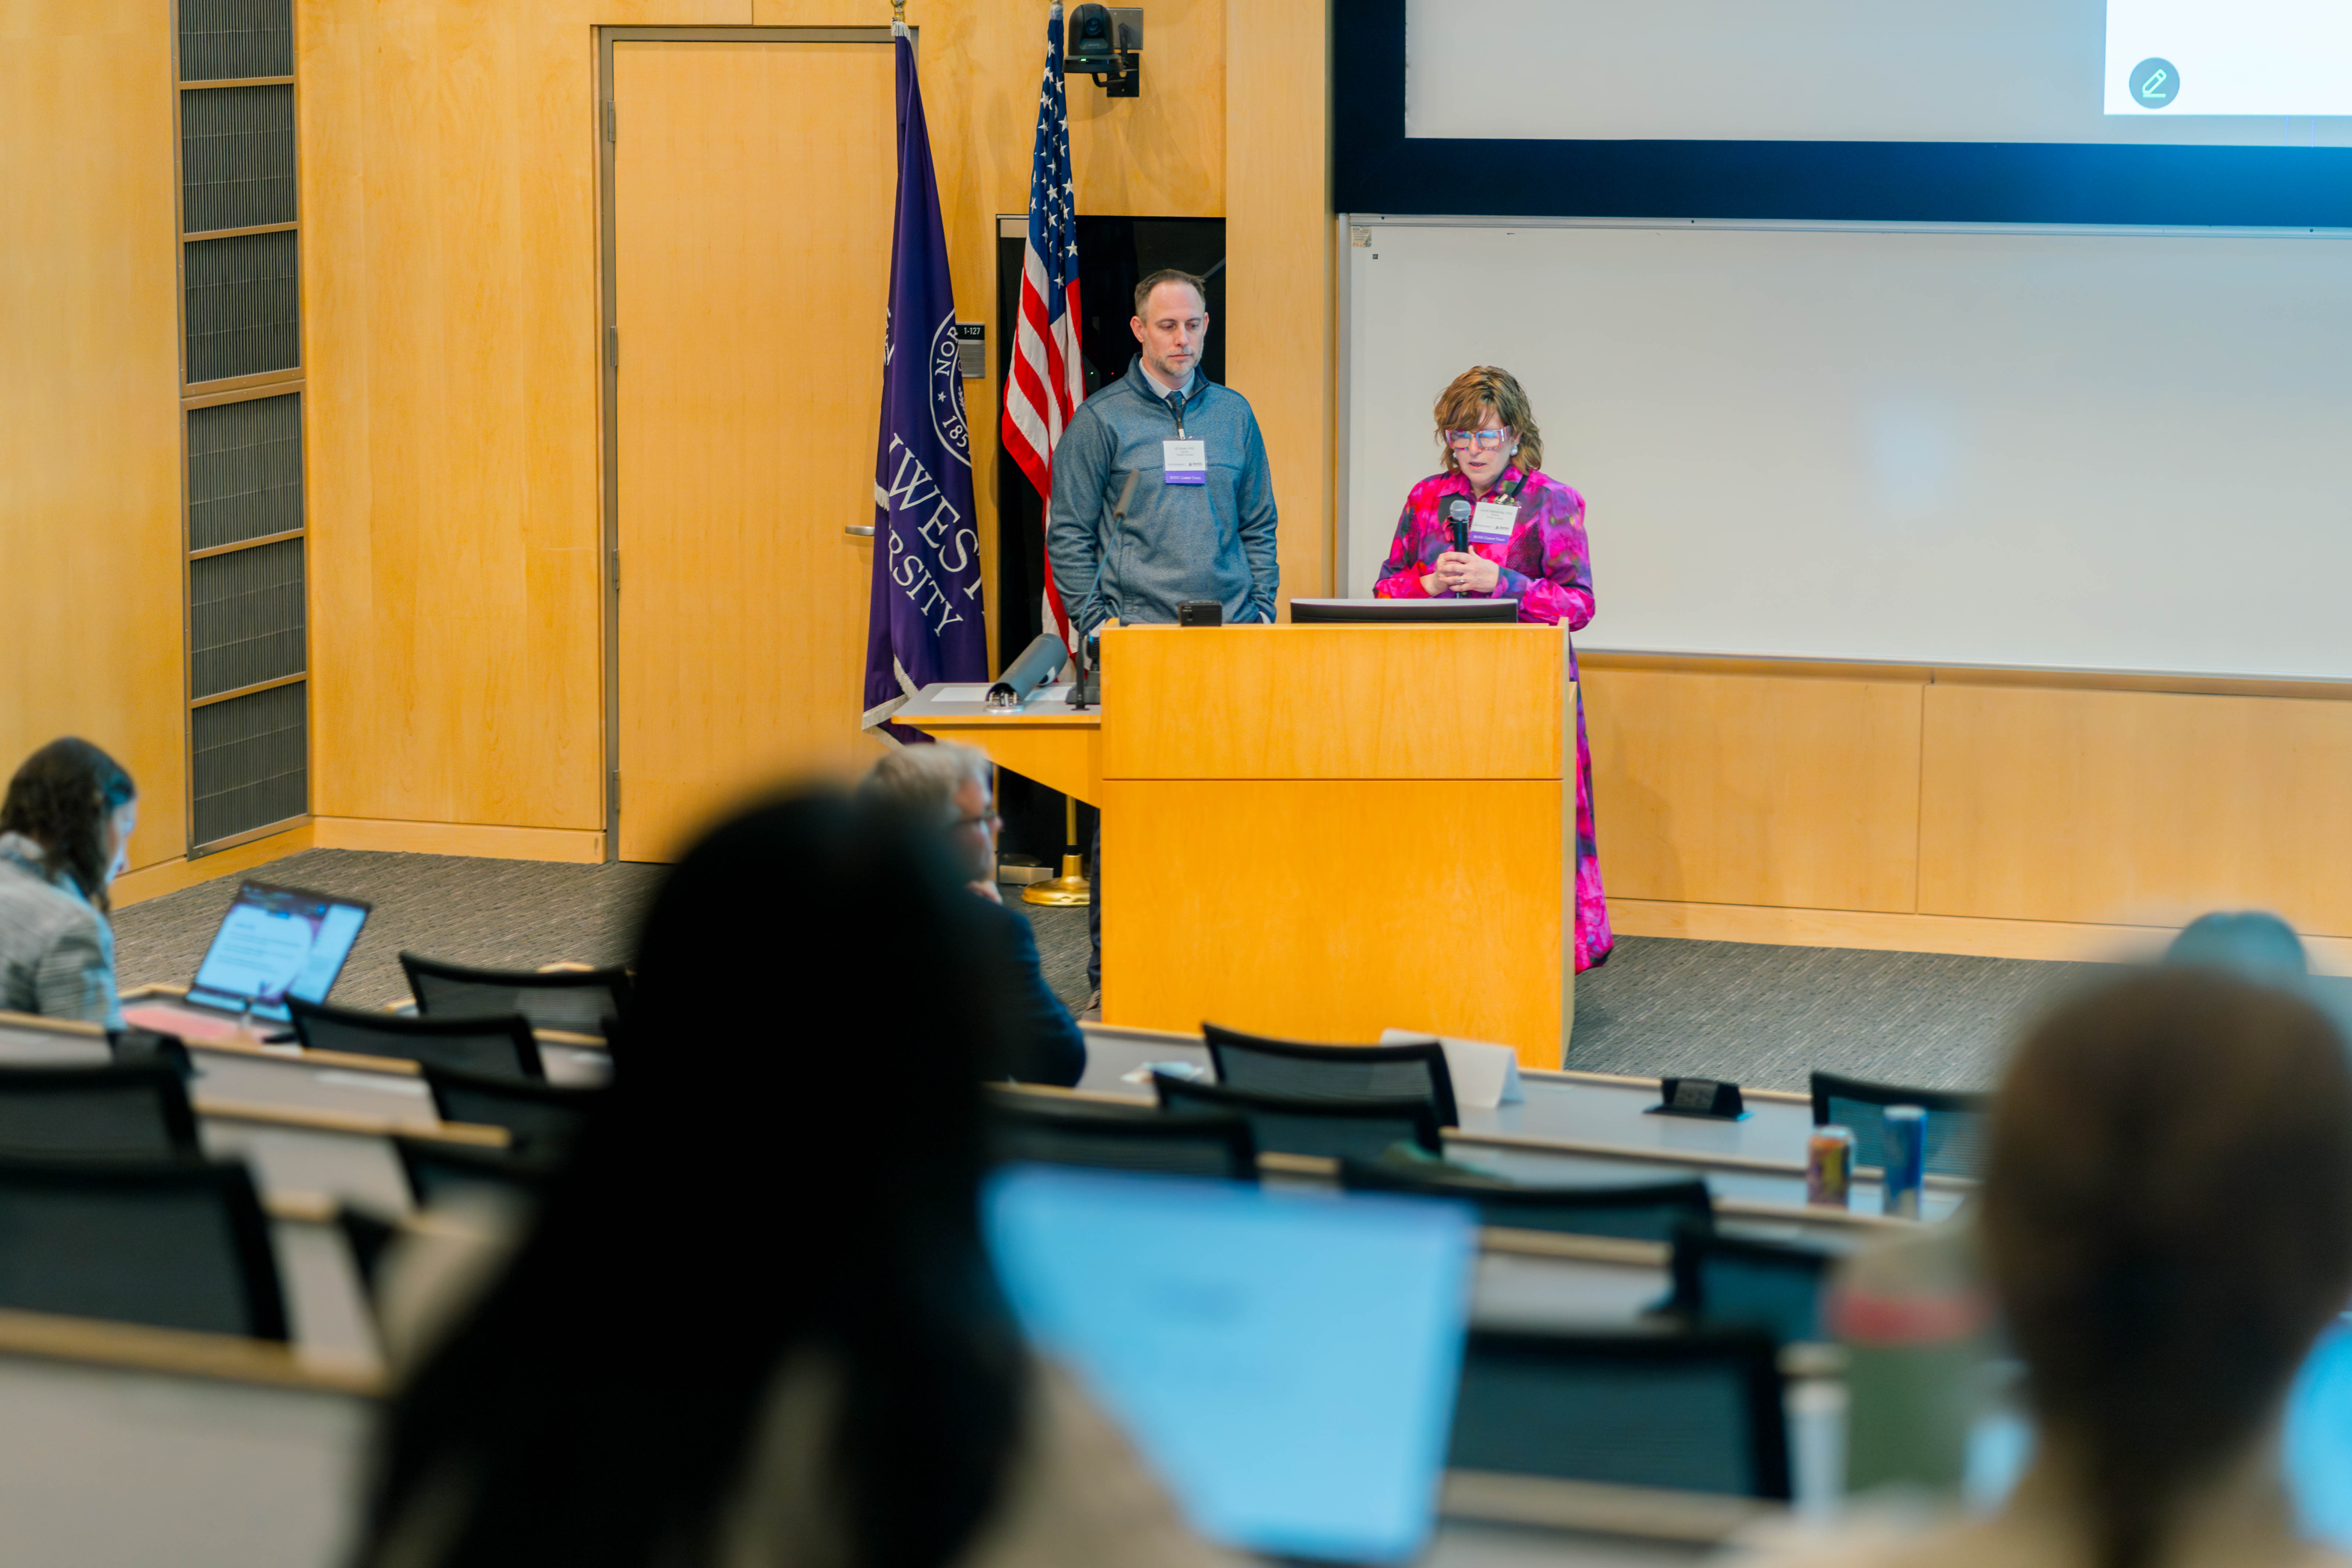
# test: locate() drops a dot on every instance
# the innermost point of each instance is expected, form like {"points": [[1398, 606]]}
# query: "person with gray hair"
{"points": [[953, 786]]}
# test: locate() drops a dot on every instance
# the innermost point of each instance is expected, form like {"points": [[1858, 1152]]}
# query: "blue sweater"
{"points": [[1214, 540]]}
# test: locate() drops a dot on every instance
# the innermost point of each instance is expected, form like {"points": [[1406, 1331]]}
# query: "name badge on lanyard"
{"points": [[1185, 462], [1491, 522]]}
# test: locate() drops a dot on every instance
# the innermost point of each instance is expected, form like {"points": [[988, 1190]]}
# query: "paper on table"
{"points": [[962, 694], [1485, 1075]]}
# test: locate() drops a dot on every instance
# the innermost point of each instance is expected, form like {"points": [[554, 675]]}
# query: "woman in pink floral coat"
{"points": [[1526, 541]]}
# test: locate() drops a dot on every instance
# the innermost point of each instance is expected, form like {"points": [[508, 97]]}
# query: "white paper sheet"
{"points": [[1485, 1075]]}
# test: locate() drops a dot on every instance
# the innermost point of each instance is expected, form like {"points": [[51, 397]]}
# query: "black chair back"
{"points": [[1654, 1210], [1122, 1138], [1956, 1120], [175, 1244], [1416, 1070], [437, 1170], [494, 1048], [576, 1000], [538, 1114], [1773, 1288], [134, 1112], [1290, 1124], [1691, 1412]]}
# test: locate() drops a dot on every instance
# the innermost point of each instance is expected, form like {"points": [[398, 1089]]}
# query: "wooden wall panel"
{"points": [[1280, 240], [449, 228], [1756, 789], [452, 335], [2135, 807], [89, 441]]}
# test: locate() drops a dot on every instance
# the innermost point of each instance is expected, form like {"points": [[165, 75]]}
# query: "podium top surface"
{"points": [[961, 702], [1414, 701]]}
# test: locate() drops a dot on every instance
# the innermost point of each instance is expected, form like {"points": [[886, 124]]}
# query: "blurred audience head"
{"points": [[2167, 1220], [2249, 944], [946, 785], [79, 807], [732, 1202]]}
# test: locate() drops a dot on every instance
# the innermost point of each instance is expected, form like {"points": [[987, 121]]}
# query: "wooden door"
{"points": [[752, 207]]}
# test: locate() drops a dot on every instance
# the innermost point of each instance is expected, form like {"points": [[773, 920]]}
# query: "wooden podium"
{"points": [[1320, 832]]}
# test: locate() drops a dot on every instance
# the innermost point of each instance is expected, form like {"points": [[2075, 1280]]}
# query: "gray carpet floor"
{"points": [[1763, 1017]]}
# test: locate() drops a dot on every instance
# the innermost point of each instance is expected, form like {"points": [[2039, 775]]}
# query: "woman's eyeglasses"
{"points": [[1485, 440]]}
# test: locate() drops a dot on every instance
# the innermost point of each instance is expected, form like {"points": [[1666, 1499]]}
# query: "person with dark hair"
{"points": [[1162, 494], [2166, 1226], [65, 834], [748, 1326], [951, 787]]}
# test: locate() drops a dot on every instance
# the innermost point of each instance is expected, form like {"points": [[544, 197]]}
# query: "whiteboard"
{"points": [[2095, 450]]}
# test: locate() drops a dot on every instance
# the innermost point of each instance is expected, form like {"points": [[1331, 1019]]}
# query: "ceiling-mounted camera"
{"points": [[1106, 42]]}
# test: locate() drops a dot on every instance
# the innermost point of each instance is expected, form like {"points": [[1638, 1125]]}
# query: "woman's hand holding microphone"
{"points": [[1461, 572]]}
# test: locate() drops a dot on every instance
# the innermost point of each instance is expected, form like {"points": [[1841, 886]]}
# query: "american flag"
{"points": [[1049, 382]]}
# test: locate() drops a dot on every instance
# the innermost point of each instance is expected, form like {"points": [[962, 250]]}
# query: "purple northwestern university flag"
{"points": [[924, 623]]}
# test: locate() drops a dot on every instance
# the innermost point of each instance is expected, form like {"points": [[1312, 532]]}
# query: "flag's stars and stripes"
{"points": [[1048, 383]]}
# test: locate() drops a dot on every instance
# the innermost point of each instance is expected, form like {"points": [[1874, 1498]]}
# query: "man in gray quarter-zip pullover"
{"points": [[1162, 494]]}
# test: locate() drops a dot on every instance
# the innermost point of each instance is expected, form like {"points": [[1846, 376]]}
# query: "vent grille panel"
{"points": [[244, 618], [237, 157], [251, 762], [222, 40], [241, 301], [244, 470]]}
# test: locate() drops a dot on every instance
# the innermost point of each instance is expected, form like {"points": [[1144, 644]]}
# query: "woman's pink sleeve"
{"points": [[1400, 576], [1550, 568]]}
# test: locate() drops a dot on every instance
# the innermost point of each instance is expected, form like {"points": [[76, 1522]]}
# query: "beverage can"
{"points": [[1906, 1159], [1828, 1166]]}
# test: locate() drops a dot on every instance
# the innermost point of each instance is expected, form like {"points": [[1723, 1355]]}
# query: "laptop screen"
{"points": [[1285, 1363], [276, 943]]}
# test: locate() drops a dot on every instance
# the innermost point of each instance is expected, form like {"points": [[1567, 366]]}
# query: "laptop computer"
{"points": [[274, 943], [1285, 1362]]}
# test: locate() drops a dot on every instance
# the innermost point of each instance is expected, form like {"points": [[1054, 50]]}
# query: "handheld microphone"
{"points": [[1457, 517]]}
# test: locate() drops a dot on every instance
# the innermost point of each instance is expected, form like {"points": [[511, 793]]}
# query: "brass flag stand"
{"points": [[1070, 889]]}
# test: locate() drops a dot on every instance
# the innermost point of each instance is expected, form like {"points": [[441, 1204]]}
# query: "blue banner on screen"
{"points": [[2229, 57], [1285, 1362], [924, 622], [273, 943]]}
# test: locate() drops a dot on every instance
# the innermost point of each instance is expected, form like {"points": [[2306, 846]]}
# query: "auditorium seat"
{"points": [[538, 1114], [1294, 1124], [438, 1171], [1738, 1282], [135, 1111], [1692, 1412], [1954, 1121], [176, 1244], [1334, 1072], [1654, 1211], [491, 1047], [1119, 1137], [575, 1000]]}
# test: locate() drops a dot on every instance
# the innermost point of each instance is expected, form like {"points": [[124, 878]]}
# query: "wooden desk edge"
{"points": [[222, 1358]]}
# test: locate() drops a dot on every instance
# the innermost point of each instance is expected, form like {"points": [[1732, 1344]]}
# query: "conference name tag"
{"points": [[1491, 522], [1185, 462]]}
